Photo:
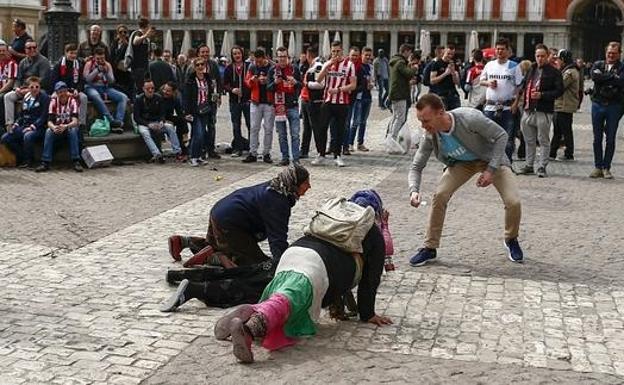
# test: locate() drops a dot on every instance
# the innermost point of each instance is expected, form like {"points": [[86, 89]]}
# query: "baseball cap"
{"points": [[60, 86]]}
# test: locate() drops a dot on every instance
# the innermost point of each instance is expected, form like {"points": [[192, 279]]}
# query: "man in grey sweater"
{"points": [[468, 143]]}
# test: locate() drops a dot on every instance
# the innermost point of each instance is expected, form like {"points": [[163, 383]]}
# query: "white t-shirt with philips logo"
{"points": [[508, 77]]}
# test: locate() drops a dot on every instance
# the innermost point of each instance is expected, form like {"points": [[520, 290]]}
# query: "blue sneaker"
{"points": [[514, 252], [423, 256]]}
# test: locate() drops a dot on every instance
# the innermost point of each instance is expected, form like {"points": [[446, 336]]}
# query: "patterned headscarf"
{"points": [[366, 198], [289, 179]]}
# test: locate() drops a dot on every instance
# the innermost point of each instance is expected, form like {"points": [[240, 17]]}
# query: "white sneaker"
{"points": [[193, 162], [319, 160], [340, 162]]}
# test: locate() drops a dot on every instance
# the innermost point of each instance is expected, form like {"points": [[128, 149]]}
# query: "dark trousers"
{"points": [[181, 126], [505, 119], [311, 116], [562, 124], [451, 101], [22, 143], [198, 134], [238, 111], [242, 248], [333, 116], [605, 120], [383, 92], [138, 78]]}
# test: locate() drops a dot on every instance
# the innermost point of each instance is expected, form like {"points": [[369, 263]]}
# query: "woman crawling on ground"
{"points": [[310, 275]]}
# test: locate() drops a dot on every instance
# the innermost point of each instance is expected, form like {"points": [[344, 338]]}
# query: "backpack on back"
{"points": [[342, 223]]}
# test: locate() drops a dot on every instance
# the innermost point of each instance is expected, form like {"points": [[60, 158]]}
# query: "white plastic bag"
{"points": [[392, 146]]}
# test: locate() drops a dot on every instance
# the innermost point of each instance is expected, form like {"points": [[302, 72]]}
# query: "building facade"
{"points": [[585, 26]]}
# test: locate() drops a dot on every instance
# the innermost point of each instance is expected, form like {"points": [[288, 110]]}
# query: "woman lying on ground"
{"points": [[311, 274], [245, 217]]}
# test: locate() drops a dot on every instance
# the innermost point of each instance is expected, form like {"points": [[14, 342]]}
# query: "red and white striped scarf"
{"points": [[75, 69], [202, 91]]}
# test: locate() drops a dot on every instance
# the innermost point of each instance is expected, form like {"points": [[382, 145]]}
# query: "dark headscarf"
{"points": [[289, 179]]}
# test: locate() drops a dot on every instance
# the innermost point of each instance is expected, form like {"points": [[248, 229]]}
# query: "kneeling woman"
{"points": [[311, 274]]}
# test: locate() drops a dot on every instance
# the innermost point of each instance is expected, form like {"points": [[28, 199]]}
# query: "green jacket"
{"points": [[400, 75]]}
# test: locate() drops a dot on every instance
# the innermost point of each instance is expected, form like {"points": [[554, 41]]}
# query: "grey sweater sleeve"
{"points": [[419, 162], [494, 133]]}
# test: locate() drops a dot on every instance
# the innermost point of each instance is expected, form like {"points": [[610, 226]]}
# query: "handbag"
{"points": [[204, 108]]}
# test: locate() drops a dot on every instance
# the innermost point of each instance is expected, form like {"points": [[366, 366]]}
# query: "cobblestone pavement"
{"points": [[80, 306]]}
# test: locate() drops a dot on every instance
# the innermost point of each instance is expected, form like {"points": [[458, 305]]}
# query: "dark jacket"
{"points": [[86, 49], [551, 87], [608, 85], [34, 113], [161, 73], [39, 67], [400, 75], [171, 106], [340, 268], [148, 110], [232, 80], [259, 211], [68, 77], [291, 94], [190, 93]]}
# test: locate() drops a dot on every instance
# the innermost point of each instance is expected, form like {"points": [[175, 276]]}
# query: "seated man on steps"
{"points": [[30, 126], [99, 78], [149, 114], [69, 70], [62, 123], [245, 217]]}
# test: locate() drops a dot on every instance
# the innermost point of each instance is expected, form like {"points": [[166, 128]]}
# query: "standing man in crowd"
{"points": [[69, 71], [99, 79], [444, 79], [285, 82], [467, 143], [565, 106], [87, 48], [503, 78], [400, 93], [340, 80], [234, 84], [382, 76], [8, 74], [140, 44], [542, 86], [160, 71], [261, 110], [149, 114], [363, 100], [311, 101], [476, 92], [18, 46], [62, 124], [607, 99], [35, 65]]}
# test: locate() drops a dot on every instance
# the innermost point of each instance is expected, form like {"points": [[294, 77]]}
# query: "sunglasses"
{"points": [[122, 32], [200, 65]]}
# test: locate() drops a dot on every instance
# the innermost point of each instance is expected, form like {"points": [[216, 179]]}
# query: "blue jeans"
{"points": [[167, 129], [350, 111], [605, 119], [361, 109], [292, 115], [22, 143], [73, 134], [119, 98], [506, 121], [383, 92], [198, 134], [237, 112]]}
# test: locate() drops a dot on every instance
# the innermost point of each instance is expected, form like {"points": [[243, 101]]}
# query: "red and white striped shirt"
{"points": [[339, 75], [202, 91], [8, 71], [63, 113]]}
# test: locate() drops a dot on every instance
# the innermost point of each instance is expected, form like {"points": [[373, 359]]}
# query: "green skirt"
{"points": [[298, 289]]}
